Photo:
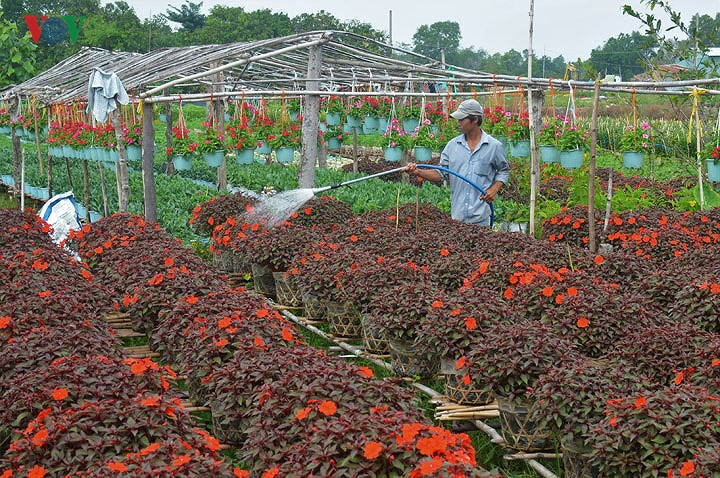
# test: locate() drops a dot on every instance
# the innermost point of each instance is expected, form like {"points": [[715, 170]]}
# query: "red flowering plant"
{"points": [[572, 398], [210, 139], [166, 459], [314, 274], [72, 379], [712, 148], [286, 136], [182, 143], [495, 121], [82, 435], [369, 106], [512, 357], [230, 240], [650, 434], [240, 135], [212, 213], [518, 127], [332, 104], [699, 303]]}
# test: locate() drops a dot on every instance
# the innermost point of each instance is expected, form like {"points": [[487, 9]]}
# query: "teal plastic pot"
{"points": [[134, 152], [520, 149], [294, 115], [285, 155], [348, 128], [371, 122], [264, 148], [713, 170], [43, 193], [382, 125], [571, 159], [332, 119], [549, 154], [333, 143], [214, 159], [95, 216], [423, 154], [245, 156], [368, 130], [393, 154], [409, 124], [181, 163], [632, 159], [354, 121], [163, 117]]}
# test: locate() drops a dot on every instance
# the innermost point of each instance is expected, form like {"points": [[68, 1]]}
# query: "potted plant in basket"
{"points": [[182, 148], [410, 114], [634, 143], [369, 115], [496, 123], [333, 136], [548, 140], [133, 141], [425, 141], [285, 141], [242, 139], [354, 113], [519, 134], [334, 109], [397, 141], [293, 106], [711, 154], [211, 143], [572, 144]]}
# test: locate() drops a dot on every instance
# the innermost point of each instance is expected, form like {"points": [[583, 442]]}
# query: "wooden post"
{"points": [[49, 175], [103, 188], [17, 160], [69, 173], [219, 112], [86, 190], [535, 102], [168, 132], [591, 179], [148, 161], [355, 150], [37, 141], [322, 156], [121, 169], [608, 202], [701, 186], [306, 172]]}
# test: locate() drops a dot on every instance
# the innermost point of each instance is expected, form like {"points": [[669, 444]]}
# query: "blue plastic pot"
{"points": [[264, 148], [423, 154], [134, 152], [549, 154], [713, 170], [333, 143], [382, 125], [371, 122], [520, 149], [571, 159], [245, 156], [181, 163], [214, 159], [333, 119], [393, 154], [409, 124], [632, 159], [354, 121], [285, 155]]}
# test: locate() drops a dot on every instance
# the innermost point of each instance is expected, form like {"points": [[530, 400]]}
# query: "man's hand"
{"points": [[411, 168], [491, 192]]}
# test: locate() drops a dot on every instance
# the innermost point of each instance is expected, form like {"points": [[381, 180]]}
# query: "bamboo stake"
{"points": [[699, 159], [37, 140], [453, 408], [468, 416], [593, 160], [608, 201], [86, 190], [355, 150], [533, 153], [49, 175], [532, 456], [103, 188]]}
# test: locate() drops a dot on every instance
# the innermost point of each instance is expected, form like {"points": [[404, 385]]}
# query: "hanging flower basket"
{"points": [[181, 163], [713, 167], [354, 121], [333, 119], [264, 148], [549, 154], [214, 159], [632, 159], [423, 154], [371, 122], [393, 154], [520, 149], [572, 159], [285, 155], [333, 144], [134, 152], [263, 280], [245, 156], [409, 124], [519, 431], [383, 124]]}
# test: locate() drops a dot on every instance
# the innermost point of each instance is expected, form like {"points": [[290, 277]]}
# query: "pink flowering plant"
{"points": [[636, 139], [336, 132], [210, 139], [396, 137], [573, 137], [132, 134], [424, 136], [549, 132]]}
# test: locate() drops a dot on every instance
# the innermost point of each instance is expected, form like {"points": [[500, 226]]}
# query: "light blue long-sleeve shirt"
{"points": [[485, 165]]}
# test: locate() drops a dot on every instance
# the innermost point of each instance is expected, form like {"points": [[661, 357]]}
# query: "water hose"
{"points": [[397, 170]]}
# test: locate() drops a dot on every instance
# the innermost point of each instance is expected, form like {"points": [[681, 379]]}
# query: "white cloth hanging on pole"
{"points": [[103, 89]]}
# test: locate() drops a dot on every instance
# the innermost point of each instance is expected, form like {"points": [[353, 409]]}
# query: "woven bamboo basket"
{"points": [[374, 339], [287, 293], [409, 360], [223, 260], [519, 431], [263, 280], [344, 320], [229, 433], [315, 309], [576, 459], [472, 394]]}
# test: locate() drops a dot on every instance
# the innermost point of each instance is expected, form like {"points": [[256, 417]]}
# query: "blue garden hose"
{"points": [[472, 183]]}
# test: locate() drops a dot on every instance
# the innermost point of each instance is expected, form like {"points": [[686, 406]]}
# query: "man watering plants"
{"points": [[475, 155]]}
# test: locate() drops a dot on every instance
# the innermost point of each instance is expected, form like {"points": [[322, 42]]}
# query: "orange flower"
{"points": [[40, 265], [8, 473], [286, 334], [191, 299], [98, 250], [354, 238], [261, 313], [258, 341], [221, 343], [36, 471], [157, 279], [255, 227], [86, 274], [4, 321], [715, 362], [640, 402], [687, 469], [43, 294], [547, 291], [429, 446], [308, 210], [467, 380], [239, 473], [302, 414], [59, 394], [149, 449], [429, 467], [455, 312], [365, 372], [117, 466], [138, 368], [224, 322], [460, 363], [153, 401], [613, 421], [181, 460], [271, 473], [583, 322], [599, 260], [40, 438], [470, 323], [508, 294], [572, 291], [444, 252], [436, 304], [372, 450], [327, 407], [559, 299], [169, 261]]}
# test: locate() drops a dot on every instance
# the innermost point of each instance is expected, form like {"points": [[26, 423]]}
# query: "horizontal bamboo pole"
{"points": [[532, 456], [468, 416], [467, 408]]}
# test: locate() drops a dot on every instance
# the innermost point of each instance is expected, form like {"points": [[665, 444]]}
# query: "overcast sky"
{"points": [[571, 28]]}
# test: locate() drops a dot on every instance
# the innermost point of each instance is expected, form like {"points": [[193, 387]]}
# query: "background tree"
{"points": [[188, 16], [116, 27], [18, 55], [430, 40], [625, 55], [322, 20], [221, 26]]}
